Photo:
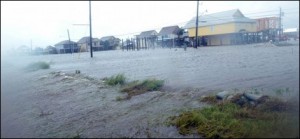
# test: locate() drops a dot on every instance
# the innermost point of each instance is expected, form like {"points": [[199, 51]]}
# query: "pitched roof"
{"points": [[87, 40], [65, 42], [149, 33], [234, 15], [49, 47], [169, 30], [105, 38]]}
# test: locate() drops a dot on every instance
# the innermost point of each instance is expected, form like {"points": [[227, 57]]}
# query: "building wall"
{"points": [[83, 47], [222, 29], [219, 39], [213, 30], [267, 23], [59, 48], [151, 42], [249, 27]]}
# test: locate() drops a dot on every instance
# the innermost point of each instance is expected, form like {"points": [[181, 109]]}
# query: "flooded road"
{"points": [[57, 103]]}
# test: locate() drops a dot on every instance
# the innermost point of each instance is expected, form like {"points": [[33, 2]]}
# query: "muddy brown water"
{"points": [[40, 104]]}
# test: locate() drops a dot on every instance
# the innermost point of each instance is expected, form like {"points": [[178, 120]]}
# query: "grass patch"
{"points": [[275, 104], [115, 80], [121, 98], [229, 120], [209, 99], [138, 87], [76, 136], [38, 65], [281, 92]]}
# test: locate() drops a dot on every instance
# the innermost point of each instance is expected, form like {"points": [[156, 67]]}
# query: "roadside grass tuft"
{"points": [[121, 98], [138, 87], [229, 120], [209, 99], [115, 80], [76, 136], [282, 91], [275, 104], [37, 65]]}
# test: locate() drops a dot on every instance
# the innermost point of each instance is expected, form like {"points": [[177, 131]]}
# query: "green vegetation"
{"points": [[76, 136], [114, 80], [37, 65], [229, 120], [135, 87], [281, 92], [138, 87], [120, 98], [256, 91], [209, 99]]}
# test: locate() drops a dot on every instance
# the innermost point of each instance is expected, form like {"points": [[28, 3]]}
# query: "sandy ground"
{"points": [[58, 103]]}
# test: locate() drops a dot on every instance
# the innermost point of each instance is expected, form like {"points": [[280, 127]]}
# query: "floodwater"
{"points": [[57, 103]]}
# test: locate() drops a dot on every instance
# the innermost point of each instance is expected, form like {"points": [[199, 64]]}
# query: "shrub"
{"points": [[137, 87], [114, 80], [37, 66], [229, 120]]}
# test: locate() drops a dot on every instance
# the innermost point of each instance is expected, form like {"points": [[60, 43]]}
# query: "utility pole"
{"points": [[69, 41], [196, 36], [91, 48], [279, 24]]}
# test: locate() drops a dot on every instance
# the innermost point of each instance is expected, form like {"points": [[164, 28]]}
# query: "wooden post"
{"points": [[133, 43], [247, 38], [139, 43], [142, 43], [91, 38], [137, 46], [69, 42], [173, 43], [133, 46], [122, 45], [162, 40], [145, 43], [255, 37], [156, 41], [126, 44]]}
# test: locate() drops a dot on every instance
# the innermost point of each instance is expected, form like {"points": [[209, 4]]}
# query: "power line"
{"points": [[243, 14], [258, 15], [229, 17], [268, 11]]}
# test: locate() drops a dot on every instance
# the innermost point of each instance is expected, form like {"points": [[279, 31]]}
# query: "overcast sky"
{"points": [[46, 22]]}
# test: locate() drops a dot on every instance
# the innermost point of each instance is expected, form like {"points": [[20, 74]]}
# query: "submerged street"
{"points": [[39, 104]]}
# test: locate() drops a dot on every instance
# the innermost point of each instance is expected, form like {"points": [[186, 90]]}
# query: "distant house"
{"points": [[84, 44], [168, 36], [109, 42], [50, 50], [147, 39], [66, 46], [222, 28], [38, 51], [23, 49], [291, 33], [267, 28]]}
